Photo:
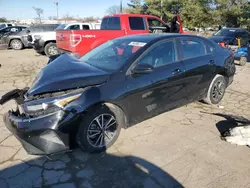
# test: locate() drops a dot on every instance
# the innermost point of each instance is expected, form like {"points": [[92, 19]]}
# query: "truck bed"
{"points": [[85, 40]]}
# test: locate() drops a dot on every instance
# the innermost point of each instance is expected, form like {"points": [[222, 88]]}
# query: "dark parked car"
{"points": [[18, 41], [11, 29], [116, 85], [229, 35]]}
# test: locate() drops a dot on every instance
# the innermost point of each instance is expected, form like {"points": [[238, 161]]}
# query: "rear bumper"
{"points": [[39, 136]]}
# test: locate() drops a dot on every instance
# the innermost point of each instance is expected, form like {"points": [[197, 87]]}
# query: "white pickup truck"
{"points": [[45, 42]]}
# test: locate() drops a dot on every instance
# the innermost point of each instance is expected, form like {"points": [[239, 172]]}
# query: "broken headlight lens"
{"points": [[51, 106]]}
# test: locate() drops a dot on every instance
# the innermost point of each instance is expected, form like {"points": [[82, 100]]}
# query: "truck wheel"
{"points": [[99, 129], [16, 44], [216, 90], [243, 61], [51, 49]]}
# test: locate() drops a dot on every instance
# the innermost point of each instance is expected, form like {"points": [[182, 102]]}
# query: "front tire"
{"points": [[16, 44], [51, 49], [216, 90], [99, 129]]}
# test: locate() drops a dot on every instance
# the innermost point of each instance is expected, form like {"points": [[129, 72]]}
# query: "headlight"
{"points": [[49, 107]]}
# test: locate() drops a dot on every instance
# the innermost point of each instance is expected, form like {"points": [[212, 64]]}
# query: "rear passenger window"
{"points": [[74, 27], [192, 48], [112, 23], [136, 23], [210, 48], [85, 27]]}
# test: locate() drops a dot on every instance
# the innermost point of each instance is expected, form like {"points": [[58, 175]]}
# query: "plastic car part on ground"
{"points": [[238, 135]]}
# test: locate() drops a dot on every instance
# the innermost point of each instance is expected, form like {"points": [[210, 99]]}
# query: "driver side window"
{"points": [[161, 54], [153, 22]]}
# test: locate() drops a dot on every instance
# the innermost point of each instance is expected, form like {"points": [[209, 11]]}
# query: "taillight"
{"points": [[75, 39]]}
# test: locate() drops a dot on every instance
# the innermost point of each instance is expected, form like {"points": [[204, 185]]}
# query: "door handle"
{"points": [[176, 71], [211, 62]]}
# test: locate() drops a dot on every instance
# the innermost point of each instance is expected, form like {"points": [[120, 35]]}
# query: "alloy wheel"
{"points": [[16, 44], [218, 90], [102, 130], [53, 50]]}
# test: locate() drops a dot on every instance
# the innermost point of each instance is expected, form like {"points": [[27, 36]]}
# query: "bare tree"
{"points": [[115, 9], [52, 18], [39, 12], [67, 17]]}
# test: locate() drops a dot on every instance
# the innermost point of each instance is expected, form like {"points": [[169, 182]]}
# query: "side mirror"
{"points": [[27, 31], [143, 69]]}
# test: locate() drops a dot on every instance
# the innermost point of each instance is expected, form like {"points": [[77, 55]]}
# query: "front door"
{"points": [[156, 26], [161, 90]]}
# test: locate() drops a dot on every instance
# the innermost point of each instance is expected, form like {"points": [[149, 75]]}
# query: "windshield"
{"points": [[60, 27], [112, 55], [228, 32]]}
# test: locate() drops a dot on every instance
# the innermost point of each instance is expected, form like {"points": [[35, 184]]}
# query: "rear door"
{"points": [[199, 63]]}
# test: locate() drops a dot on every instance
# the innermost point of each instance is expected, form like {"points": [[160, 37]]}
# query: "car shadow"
{"points": [[79, 169], [230, 122]]}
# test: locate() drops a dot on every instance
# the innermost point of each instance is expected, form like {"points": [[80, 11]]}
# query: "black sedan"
{"points": [[118, 84], [229, 35]]}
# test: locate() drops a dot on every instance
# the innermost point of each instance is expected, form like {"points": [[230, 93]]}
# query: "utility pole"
{"points": [[121, 6], [56, 3], [161, 8]]}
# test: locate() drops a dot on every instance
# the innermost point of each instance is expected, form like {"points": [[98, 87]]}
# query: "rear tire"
{"points": [[51, 49], [16, 44], [243, 61], [93, 137], [216, 90]]}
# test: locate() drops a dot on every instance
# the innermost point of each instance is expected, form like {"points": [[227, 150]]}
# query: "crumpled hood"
{"points": [[65, 73], [222, 39]]}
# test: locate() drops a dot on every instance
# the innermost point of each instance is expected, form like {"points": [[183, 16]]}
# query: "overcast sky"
{"points": [[22, 9]]}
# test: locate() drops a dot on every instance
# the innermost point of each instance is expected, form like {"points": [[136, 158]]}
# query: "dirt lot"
{"points": [[175, 149]]}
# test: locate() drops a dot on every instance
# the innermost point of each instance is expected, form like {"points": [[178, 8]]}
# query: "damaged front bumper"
{"points": [[40, 135]]}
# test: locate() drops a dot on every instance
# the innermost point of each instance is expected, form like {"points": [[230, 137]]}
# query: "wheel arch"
{"points": [[225, 74], [49, 41], [112, 105]]}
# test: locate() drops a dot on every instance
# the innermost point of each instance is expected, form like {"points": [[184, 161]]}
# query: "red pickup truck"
{"points": [[82, 41]]}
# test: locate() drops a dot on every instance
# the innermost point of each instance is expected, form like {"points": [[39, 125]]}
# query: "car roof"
{"points": [[233, 28], [155, 37], [132, 15]]}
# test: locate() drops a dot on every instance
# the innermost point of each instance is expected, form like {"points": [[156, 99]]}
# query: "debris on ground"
{"points": [[238, 135], [221, 107]]}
